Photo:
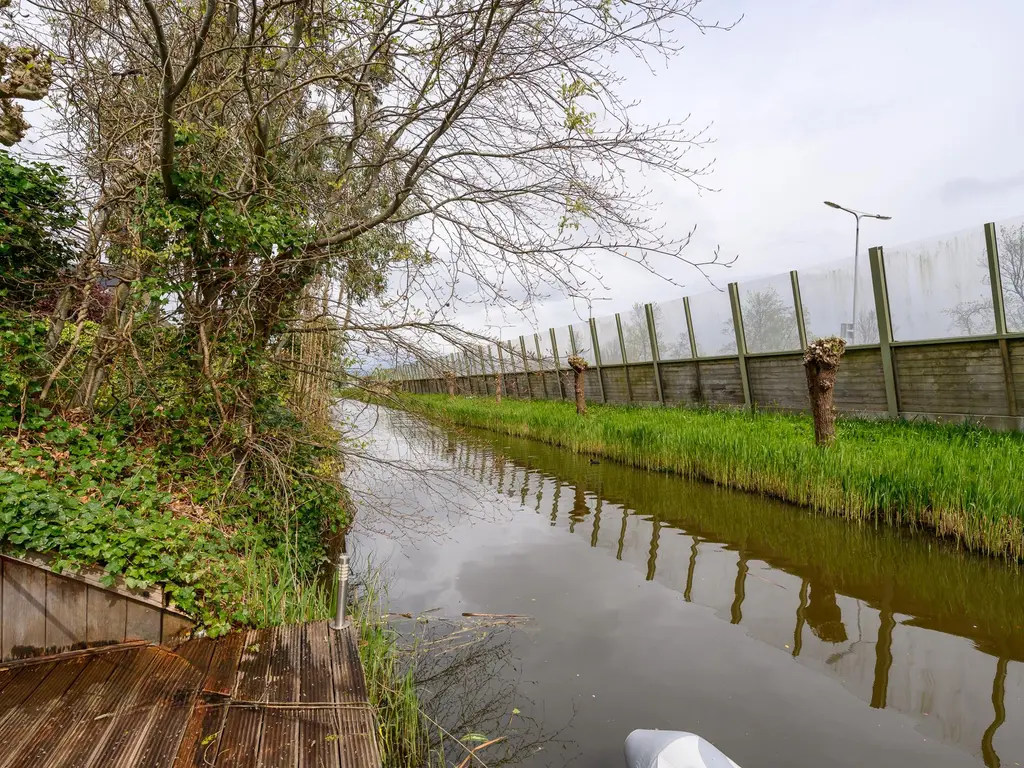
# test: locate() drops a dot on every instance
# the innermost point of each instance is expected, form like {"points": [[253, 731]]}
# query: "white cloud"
{"points": [[908, 108]]}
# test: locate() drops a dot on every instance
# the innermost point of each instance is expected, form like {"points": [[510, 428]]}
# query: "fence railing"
{"points": [[935, 329]]}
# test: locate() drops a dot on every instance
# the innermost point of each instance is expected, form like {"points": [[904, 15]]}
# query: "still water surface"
{"points": [[784, 638]]}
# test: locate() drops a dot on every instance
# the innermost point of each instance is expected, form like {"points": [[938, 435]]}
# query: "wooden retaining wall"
{"points": [[43, 613]]}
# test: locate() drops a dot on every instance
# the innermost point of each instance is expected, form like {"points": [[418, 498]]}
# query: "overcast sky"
{"points": [[911, 108]]}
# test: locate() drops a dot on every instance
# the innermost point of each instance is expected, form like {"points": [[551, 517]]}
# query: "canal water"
{"points": [[785, 638]]}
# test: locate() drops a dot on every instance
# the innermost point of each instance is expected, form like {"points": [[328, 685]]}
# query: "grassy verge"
{"points": [[958, 481]]}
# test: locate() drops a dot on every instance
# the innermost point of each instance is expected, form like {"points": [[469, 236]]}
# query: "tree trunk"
{"points": [[449, 379], [821, 364], [579, 367], [497, 388]]}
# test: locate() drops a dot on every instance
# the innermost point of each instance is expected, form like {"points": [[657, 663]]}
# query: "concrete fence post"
{"points": [[597, 359], [655, 352], [526, 367], [741, 343], [995, 280], [558, 364], [798, 305], [625, 360], [540, 365], [693, 349], [876, 259]]}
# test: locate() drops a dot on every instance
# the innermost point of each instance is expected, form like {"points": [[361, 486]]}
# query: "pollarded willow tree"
{"points": [[245, 157]]}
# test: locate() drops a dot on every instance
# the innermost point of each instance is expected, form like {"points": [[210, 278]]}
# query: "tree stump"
{"points": [[579, 367], [821, 363], [449, 380]]}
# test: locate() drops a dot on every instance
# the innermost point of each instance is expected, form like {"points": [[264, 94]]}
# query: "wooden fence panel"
{"points": [[1017, 366], [641, 381], [721, 383], [591, 386], [965, 378], [24, 610], [680, 383], [615, 384], [860, 385], [43, 612], [65, 614], [778, 383], [551, 385]]}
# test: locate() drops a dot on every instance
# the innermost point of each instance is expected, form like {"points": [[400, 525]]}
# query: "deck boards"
{"points": [[283, 696]]}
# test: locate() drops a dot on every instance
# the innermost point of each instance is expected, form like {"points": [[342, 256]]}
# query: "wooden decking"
{"points": [[286, 696]]}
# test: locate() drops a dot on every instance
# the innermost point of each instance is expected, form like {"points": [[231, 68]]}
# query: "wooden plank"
{"points": [[106, 615], [129, 721], [18, 725], [358, 744], [320, 730], [220, 678], [170, 705], [243, 728], [67, 710], [66, 601], [142, 622], [22, 684], [280, 742], [24, 603]]}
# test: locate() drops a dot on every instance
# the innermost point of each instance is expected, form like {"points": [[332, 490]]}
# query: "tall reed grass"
{"points": [[963, 481], [391, 684]]}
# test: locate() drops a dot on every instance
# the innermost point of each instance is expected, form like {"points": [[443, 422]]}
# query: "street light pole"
{"points": [[856, 256]]}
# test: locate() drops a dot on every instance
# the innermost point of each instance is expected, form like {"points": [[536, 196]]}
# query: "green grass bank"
{"points": [[961, 482]]}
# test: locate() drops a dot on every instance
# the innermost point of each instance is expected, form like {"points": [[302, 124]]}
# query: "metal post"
{"points": [[540, 365], [856, 264], [655, 352], [340, 621], [625, 360], [693, 349], [558, 364], [741, 342], [876, 258], [597, 358], [995, 280], [798, 304]]}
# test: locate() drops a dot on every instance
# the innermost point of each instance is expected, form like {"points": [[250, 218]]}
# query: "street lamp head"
{"points": [[830, 204], [884, 218]]}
